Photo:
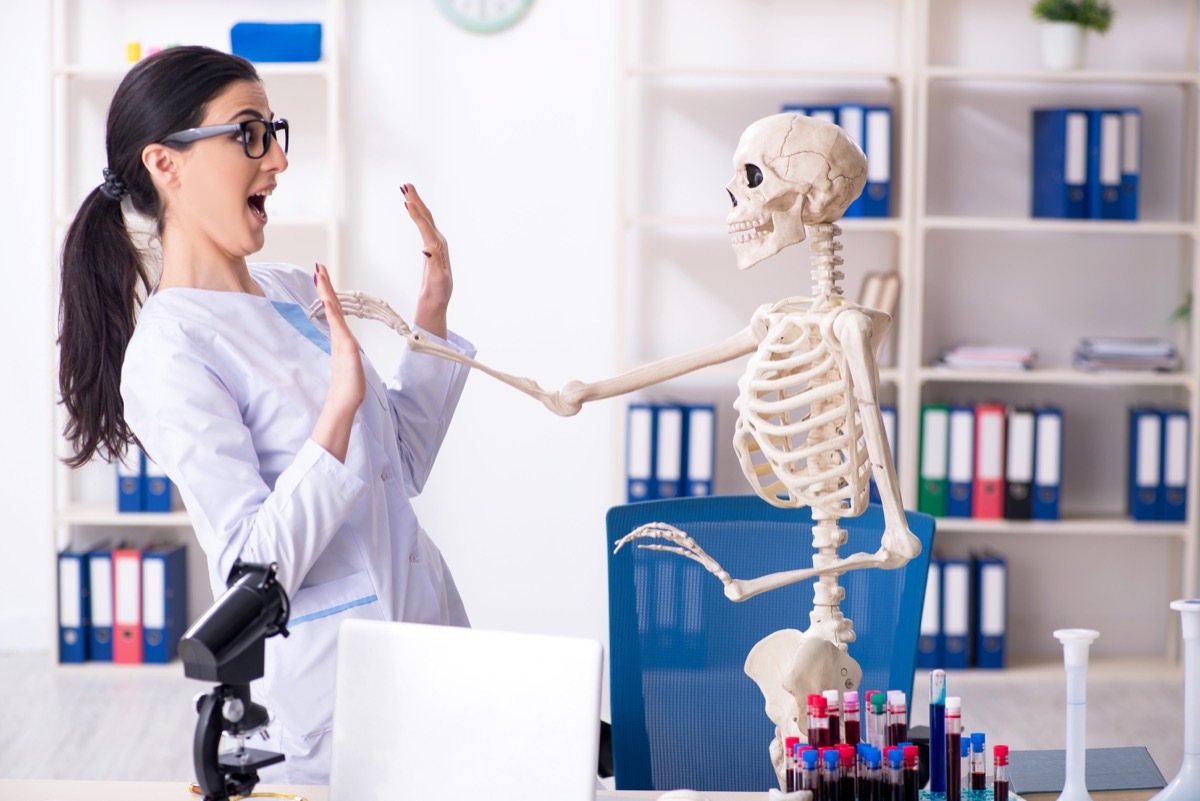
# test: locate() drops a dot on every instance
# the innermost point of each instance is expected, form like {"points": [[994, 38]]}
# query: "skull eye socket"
{"points": [[754, 175]]}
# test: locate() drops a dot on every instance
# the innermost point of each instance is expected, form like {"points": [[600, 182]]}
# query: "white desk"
{"points": [[37, 790]]}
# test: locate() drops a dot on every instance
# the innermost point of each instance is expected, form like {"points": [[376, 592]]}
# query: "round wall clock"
{"points": [[484, 16]]}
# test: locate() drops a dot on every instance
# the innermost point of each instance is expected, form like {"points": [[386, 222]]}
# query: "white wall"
{"points": [[27, 329], [510, 139]]}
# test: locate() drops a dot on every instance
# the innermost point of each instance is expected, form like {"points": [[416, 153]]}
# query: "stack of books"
{"points": [[1126, 353], [972, 357]]}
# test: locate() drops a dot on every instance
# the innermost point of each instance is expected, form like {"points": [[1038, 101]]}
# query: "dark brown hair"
{"points": [[101, 266]]}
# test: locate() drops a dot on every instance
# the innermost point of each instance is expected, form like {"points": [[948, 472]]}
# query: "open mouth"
{"points": [[258, 206]]}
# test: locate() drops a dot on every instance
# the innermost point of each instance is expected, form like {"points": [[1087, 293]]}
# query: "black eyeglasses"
{"points": [[256, 135]]}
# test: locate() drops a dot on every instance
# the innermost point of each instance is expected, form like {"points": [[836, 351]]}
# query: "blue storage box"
{"points": [[276, 41]]}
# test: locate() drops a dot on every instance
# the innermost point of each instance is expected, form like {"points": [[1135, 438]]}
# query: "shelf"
{"points": [[1055, 375], [103, 515], [115, 73], [970, 255], [1047, 226], [1072, 527], [717, 224], [1181, 78], [817, 75]]}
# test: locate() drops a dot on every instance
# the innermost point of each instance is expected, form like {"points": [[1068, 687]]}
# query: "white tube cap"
{"points": [[1076, 643], [1191, 617]]}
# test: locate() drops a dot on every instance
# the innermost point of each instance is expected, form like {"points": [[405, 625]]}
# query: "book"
{"points": [[1127, 768]]}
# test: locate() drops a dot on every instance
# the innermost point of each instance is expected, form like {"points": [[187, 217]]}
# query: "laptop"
{"points": [[441, 713]]}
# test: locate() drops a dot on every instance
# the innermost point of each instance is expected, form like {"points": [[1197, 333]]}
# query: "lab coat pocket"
{"points": [[301, 671]]}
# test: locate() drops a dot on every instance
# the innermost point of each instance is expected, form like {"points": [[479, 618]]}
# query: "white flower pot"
{"points": [[1062, 45]]}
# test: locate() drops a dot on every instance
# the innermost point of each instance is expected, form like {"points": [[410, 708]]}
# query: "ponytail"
{"points": [[98, 301], [103, 276]]}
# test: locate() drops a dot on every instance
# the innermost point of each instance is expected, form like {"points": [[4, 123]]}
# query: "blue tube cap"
{"points": [[977, 740]]}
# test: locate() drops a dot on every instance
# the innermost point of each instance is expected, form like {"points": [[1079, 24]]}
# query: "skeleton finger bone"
{"points": [[681, 544]]}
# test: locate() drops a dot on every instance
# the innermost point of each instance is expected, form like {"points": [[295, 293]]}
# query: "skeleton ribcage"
{"points": [[798, 436]]}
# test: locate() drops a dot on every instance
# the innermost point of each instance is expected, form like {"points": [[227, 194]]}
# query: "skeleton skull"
{"points": [[789, 171]]}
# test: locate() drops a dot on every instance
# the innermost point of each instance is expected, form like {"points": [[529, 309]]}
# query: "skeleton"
{"points": [[809, 431]]}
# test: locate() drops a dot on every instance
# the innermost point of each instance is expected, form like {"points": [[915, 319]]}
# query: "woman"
{"points": [[283, 441]]}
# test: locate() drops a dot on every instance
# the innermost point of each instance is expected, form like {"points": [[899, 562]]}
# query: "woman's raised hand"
{"points": [[437, 283], [347, 384]]}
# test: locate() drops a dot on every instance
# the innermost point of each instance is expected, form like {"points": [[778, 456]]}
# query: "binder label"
{"points": [[100, 573], [1110, 149], [1075, 166], [1147, 450], [154, 602], [127, 603], [1175, 467], [992, 600], [1049, 462], [70, 610]]}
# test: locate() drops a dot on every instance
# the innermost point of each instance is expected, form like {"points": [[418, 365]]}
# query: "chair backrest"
{"points": [[684, 713]]}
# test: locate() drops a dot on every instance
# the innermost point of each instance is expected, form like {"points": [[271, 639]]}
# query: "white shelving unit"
{"points": [[89, 39], [962, 77]]}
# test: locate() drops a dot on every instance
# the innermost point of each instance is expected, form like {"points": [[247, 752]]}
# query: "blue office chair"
{"points": [[684, 713]]}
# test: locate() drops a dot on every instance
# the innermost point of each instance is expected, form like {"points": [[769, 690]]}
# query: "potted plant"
{"points": [[1064, 25]]}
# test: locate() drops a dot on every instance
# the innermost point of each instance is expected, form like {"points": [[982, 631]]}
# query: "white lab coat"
{"points": [[223, 389]]}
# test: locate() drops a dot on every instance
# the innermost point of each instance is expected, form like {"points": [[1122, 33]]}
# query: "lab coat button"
{"points": [[414, 557], [383, 476]]}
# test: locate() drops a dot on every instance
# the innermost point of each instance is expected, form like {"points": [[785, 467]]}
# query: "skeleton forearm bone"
{"points": [[741, 589], [570, 399]]}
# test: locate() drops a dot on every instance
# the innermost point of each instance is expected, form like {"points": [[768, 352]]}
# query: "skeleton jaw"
{"points": [[759, 237]]}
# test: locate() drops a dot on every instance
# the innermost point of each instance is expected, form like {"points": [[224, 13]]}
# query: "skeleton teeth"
{"points": [[745, 225]]}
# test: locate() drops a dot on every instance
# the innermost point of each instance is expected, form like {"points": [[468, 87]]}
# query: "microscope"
{"points": [[227, 645]]}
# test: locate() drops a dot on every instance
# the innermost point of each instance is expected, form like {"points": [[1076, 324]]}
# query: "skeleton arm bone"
{"points": [[740, 589], [854, 330], [570, 399]]}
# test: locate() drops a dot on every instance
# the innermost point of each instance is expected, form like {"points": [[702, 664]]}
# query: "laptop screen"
{"points": [[438, 713]]}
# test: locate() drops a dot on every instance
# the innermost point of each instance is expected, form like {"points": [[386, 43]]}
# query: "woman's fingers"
{"points": [[347, 383], [432, 241]]}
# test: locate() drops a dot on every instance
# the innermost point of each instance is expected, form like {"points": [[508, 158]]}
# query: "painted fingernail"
{"points": [[404, 189], [428, 255], [316, 269]]}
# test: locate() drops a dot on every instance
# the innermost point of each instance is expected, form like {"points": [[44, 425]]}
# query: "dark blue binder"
{"points": [[876, 197], [164, 601], [639, 453], [1131, 162], [1059, 180], [1145, 462], [129, 481], [1176, 455], [991, 610], [1104, 163], [852, 118], [960, 465], [156, 488], [668, 450], [1047, 470], [699, 437], [956, 613], [929, 639], [100, 581], [73, 605]]}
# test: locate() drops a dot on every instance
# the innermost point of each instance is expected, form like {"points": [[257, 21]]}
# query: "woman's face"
{"points": [[222, 194]]}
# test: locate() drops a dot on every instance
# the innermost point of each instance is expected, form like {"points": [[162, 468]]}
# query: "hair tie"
{"points": [[113, 186]]}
